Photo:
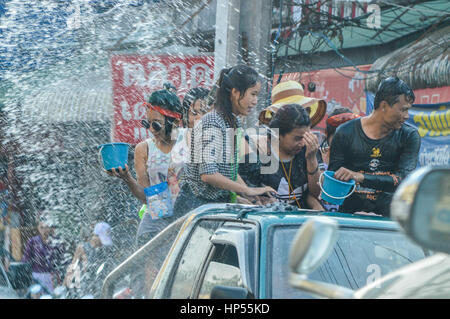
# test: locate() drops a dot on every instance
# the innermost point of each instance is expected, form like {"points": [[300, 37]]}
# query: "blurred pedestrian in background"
{"points": [[337, 117], [194, 106], [91, 263], [43, 256]]}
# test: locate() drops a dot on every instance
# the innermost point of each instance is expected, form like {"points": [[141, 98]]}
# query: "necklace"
{"points": [[289, 181], [163, 142]]}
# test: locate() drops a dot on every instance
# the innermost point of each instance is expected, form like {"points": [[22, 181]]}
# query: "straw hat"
{"points": [[291, 92]]}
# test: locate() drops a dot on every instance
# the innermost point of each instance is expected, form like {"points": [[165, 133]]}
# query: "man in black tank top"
{"points": [[377, 151]]}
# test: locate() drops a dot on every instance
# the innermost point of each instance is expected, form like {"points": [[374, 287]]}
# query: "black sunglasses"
{"points": [[154, 124], [324, 147]]}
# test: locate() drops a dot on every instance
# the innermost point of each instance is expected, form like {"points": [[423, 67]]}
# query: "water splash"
{"points": [[56, 102]]}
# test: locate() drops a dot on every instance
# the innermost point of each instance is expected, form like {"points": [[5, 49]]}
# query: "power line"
{"points": [[335, 30], [439, 13]]}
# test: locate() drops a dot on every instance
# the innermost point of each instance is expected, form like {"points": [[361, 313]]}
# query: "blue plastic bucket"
{"points": [[333, 190], [114, 155]]}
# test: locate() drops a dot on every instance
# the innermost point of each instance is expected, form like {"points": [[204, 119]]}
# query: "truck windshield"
{"points": [[3, 281], [359, 257]]}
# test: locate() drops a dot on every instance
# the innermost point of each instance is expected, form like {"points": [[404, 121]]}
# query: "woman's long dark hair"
{"points": [[241, 78], [289, 117]]}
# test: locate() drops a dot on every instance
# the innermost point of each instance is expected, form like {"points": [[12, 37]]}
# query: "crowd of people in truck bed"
{"points": [[199, 152]]}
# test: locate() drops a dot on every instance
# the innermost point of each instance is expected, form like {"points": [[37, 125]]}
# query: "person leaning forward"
{"points": [[212, 174], [378, 150]]}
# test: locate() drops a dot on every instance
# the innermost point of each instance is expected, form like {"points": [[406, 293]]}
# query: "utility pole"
{"points": [[255, 27], [226, 41], [243, 37]]}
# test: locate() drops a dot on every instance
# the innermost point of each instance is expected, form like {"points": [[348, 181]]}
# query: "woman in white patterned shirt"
{"points": [[212, 172], [158, 160]]}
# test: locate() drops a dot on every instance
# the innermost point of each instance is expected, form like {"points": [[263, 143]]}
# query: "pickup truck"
{"points": [[421, 205], [238, 251]]}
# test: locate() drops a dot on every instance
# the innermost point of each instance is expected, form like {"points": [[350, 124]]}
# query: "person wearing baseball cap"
{"points": [[86, 260]]}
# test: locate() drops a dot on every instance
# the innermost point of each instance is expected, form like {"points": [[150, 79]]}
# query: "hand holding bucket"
{"points": [[335, 191], [114, 155]]}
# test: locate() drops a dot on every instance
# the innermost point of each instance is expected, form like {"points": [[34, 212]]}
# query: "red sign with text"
{"points": [[135, 77], [433, 95], [338, 87]]}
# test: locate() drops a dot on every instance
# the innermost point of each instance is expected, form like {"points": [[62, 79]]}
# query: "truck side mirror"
{"points": [[19, 275], [421, 205], [312, 245]]}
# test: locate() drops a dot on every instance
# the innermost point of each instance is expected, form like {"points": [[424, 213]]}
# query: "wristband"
{"points": [[313, 172], [233, 197]]}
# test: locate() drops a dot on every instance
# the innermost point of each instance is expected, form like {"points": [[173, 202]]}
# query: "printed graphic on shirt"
{"points": [[376, 152], [163, 167], [283, 192], [375, 162], [370, 193], [173, 179]]}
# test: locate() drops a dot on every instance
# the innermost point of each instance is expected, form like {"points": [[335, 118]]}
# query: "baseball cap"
{"points": [[102, 230]]}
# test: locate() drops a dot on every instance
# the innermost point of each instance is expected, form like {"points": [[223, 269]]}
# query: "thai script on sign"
{"points": [[433, 125], [436, 123], [135, 77], [152, 75], [435, 156]]}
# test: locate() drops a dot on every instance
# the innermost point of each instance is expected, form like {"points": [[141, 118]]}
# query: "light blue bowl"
{"points": [[114, 155]]}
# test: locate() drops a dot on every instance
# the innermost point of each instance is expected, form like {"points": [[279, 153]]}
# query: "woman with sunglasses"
{"points": [[212, 172], [158, 159], [194, 106]]}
